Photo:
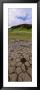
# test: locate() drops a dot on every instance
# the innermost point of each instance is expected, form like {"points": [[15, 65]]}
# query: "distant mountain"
{"points": [[28, 26]]}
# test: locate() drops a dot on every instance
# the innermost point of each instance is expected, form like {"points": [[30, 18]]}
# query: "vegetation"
{"points": [[20, 32]]}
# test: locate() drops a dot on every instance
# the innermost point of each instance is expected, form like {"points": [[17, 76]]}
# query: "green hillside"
{"points": [[20, 33]]}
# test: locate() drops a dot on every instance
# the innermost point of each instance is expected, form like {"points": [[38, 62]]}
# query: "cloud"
{"points": [[19, 16], [24, 18]]}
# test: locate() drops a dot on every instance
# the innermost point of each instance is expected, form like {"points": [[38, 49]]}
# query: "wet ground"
{"points": [[19, 60]]}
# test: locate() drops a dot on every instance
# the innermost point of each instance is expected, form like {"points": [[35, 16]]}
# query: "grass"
{"points": [[20, 34]]}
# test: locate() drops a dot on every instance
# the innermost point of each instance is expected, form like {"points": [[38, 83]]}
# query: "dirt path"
{"points": [[20, 60]]}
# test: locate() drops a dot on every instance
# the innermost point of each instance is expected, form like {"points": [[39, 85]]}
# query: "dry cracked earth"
{"points": [[19, 60]]}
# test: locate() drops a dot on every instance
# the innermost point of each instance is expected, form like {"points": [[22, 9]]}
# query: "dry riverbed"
{"points": [[19, 60]]}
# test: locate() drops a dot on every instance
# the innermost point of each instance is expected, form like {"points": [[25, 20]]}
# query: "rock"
{"points": [[30, 57], [11, 69], [23, 67], [30, 61], [18, 70], [29, 71], [13, 63], [27, 64], [17, 59], [13, 77], [27, 77], [22, 75], [18, 64], [19, 79], [26, 56]]}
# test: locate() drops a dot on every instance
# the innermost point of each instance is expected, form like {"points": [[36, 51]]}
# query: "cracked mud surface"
{"points": [[19, 60]]}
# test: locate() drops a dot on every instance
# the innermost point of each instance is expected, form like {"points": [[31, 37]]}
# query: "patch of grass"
{"points": [[20, 34]]}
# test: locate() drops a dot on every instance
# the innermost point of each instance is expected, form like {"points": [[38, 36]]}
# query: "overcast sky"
{"points": [[18, 16]]}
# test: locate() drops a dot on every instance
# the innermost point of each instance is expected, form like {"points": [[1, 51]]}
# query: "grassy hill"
{"points": [[20, 32]]}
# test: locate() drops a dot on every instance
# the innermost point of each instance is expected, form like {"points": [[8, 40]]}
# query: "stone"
{"points": [[23, 68], [22, 75], [19, 79], [27, 64], [17, 60], [27, 77], [29, 71], [30, 57], [13, 77], [13, 63], [26, 56], [18, 64], [30, 61], [11, 69], [18, 70]]}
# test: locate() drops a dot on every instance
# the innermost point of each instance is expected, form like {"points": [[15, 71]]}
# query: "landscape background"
{"points": [[20, 44], [20, 23]]}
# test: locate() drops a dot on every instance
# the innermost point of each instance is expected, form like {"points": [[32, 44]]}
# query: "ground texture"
{"points": [[19, 60]]}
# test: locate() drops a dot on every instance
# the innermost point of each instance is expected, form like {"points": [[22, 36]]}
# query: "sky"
{"points": [[18, 16]]}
